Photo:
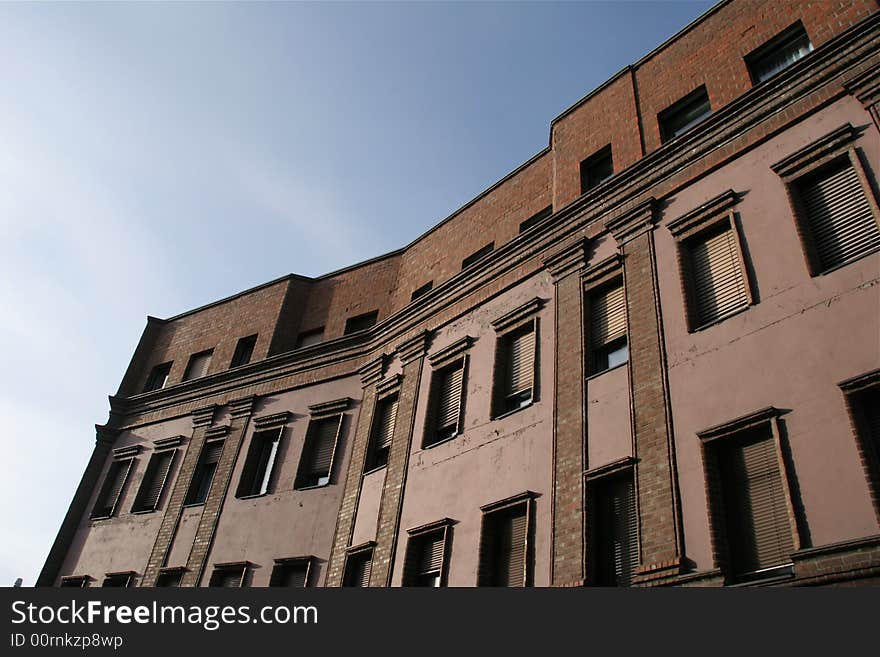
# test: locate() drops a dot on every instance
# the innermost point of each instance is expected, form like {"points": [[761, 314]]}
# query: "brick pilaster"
{"points": [[240, 413], [370, 374], [567, 564], [162, 546], [658, 501], [104, 439], [412, 354]]}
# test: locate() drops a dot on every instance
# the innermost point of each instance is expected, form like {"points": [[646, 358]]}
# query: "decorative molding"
{"points": [[633, 222], [242, 407], [451, 352], [271, 421], [860, 382], [518, 314], [330, 407], [431, 526], [386, 386], [304, 558], [173, 441], [865, 86], [698, 218], [602, 271], [204, 416], [740, 423], [415, 347], [360, 547], [509, 501], [567, 260], [105, 434], [217, 432], [614, 467], [125, 452], [831, 144], [372, 371]]}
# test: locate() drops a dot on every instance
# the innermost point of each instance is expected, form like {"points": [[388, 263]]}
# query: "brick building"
{"points": [[650, 355]]}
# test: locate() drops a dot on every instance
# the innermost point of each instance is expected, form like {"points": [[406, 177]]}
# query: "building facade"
{"points": [[648, 356]]}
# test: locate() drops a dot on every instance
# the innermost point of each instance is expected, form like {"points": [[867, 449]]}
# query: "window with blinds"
{"points": [[118, 580], [259, 464], [204, 472], [382, 433], [717, 280], [79, 582], [684, 114], [444, 410], [169, 578], [608, 344], [316, 464], [357, 568], [230, 577], [840, 222], [244, 350], [754, 504], [158, 377], [779, 53], [111, 491], [198, 365], [504, 551], [290, 573], [866, 405], [615, 544], [515, 369], [424, 565], [154, 481]]}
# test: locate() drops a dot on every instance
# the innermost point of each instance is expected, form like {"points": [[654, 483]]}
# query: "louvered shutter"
{"points": [[759, 531], [292, 575], [617, 549], [154, 481], [839, 216], [385, 428], [521, 367], [228, 578], [449, 397], [431, 557], [719, 287], [359, 566], [213, 451], [608, 316], [871, 406], [112, 489], [504, 550], [198, 365], [320, 448]]}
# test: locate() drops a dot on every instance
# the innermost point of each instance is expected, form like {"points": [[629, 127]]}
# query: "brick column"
{"points": [[240, 413], [412, 354], [370, 374], [105, 437], [567, 564], [162, 546], [866, 88], [658, 501]]}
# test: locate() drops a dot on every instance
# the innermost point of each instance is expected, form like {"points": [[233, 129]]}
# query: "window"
{"points": [[505, 558], [153, 482], [358, 564], [614, 543], [749, 499], [120, 580], [445, 404], [158, 377], [422, 291], [684, 115], [596, 169], [779, 53], [244, 350], [291, 573], [230, 576], [478, 255], [198, 365], [863, 401], [608, 346], [515, 366], [535, 219], [256, 476], [316, 464], [111, 491], [425, 563], [718, 282], [361, 322], [169, 577], [75, 582], [841, 221], [382, 433], [204, 472], [308, 338]]}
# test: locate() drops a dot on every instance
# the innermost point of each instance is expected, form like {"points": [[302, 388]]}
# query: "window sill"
{"points": [[833, 269], [312, 487], [143, 512], [763, 578], [515, 410], [718, 320], [610, 369], [252, 496], [192, 505], [97, 518], [441, 442]]}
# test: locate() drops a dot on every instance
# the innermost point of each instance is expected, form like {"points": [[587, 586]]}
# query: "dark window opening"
{"points": [[198, 365], [445, 405], [308, 338], [357, 568], [120, 580], [535, 219], [779, 53], [478, 255], [158, 377], [504, 553], [75, 582], [515, 370], [684, 115], [169, 578], [256, 476], [204, 472], [422, 291], [290, 573], [361, 322], [154, 481], [111, 492], [316, 464], [230, 577], [244, 351], [596, 169], [425, 559], [615, 540], [382, 433]]}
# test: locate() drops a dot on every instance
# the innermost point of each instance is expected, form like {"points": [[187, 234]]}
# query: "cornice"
{"points": [[825, 145], [569, 259], [330, 407], [516, 315], [719, 205], [204, 416], [414, 348], [273, 421], [217, 432], [451, 352], [173, 441], [373, 370], [389, 385], [740, 423], [866, 85], [125, 452], [602, 270], [105, 434], [633, 222], [242, 407]]}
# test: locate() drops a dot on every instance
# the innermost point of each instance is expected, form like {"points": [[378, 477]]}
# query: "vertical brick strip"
{"points": [[104, 439], [162, 545], [370, 373], [659, 510], [412, 353], [567, 565], [240, 412]]}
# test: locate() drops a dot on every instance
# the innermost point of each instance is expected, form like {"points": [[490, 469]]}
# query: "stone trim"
{"points": [[372, 371], [389, 386], [326, 409], [516, 315], [450, 353], [415, 347], [217, 432], [705, 215], [633, 222], [817, 153], [271, 421], [124, 452], [204, 416], [602, 272], [173, 441], [567, 260]]}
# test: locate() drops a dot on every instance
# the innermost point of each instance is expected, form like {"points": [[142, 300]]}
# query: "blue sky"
{"points": [[155, 157]]}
